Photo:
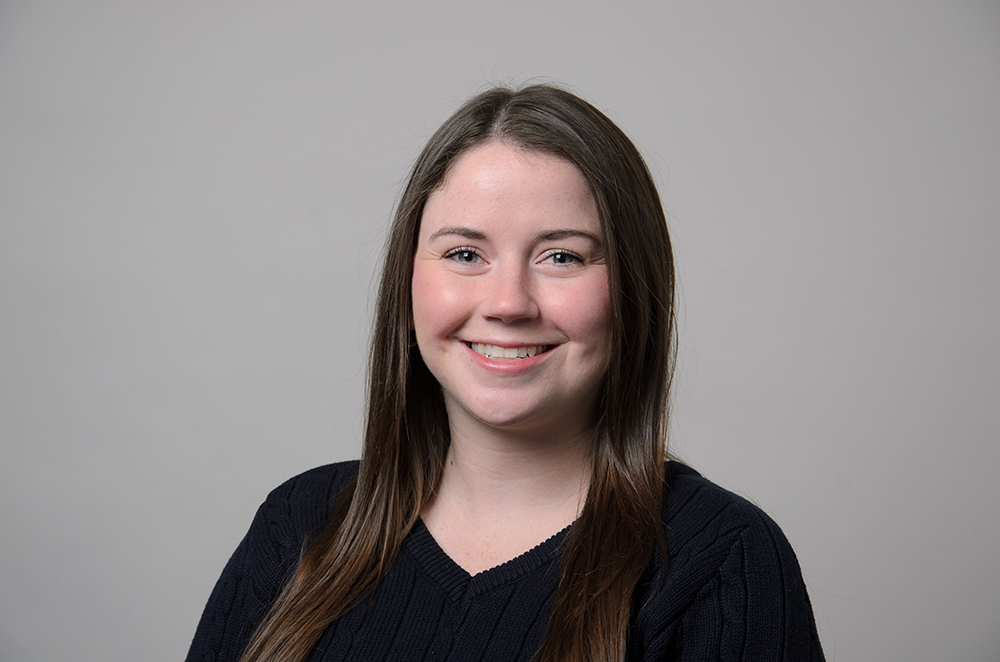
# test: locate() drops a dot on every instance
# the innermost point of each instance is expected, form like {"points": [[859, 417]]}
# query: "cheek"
{"points": [[422, 297], [599, 323], [435, 303], [587, 309]]}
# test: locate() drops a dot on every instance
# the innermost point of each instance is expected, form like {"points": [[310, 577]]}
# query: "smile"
{"points": [[497, 352]]}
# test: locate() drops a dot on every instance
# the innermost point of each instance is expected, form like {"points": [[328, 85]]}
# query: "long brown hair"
{"points": [[406, 435]]}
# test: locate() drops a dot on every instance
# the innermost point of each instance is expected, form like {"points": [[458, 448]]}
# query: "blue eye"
{"points": [[464, 255], [563, 257]]}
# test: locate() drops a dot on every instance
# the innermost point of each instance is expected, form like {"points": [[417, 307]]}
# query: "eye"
{"points": [[464, 254], [561, 258]]}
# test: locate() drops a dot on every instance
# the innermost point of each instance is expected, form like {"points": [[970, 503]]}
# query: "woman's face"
{"points": [[510, 293]]}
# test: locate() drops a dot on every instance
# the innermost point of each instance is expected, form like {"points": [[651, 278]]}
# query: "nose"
{"points": [[510, 298]]}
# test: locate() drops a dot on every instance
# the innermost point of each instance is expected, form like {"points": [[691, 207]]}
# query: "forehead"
{"points": [[499, 181]]}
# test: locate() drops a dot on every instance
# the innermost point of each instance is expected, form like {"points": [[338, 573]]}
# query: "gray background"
{"points": [[192, 202]]}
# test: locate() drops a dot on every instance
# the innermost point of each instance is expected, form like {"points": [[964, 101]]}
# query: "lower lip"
{"points": [[507, 367]]}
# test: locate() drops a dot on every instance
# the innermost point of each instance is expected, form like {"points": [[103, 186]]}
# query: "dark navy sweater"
{"points": [[732, 588]]}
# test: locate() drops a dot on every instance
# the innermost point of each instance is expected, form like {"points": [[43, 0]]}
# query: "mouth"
{"points": [[508, 353]]}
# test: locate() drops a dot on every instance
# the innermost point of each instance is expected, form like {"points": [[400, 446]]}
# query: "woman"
{"points": [[512, 500]]}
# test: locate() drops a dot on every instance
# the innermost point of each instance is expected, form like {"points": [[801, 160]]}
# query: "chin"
{"points": [[524, 420], [509, 419]]}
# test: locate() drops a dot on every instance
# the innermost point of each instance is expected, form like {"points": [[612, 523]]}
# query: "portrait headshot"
{"points": [[660, 332]]}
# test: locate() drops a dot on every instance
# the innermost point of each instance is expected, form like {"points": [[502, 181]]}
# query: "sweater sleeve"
{"points": [[754, 607], [250, 581], [262, 564], [731, 588]]}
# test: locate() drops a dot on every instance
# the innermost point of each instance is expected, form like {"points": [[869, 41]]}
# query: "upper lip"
{"points": [[510, 344]]}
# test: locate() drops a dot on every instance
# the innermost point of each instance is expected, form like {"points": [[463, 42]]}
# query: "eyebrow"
{"points": [[554, 235], [468, 233]]}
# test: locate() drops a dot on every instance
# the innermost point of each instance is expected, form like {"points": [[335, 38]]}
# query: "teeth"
{"points": [[497, 352]]}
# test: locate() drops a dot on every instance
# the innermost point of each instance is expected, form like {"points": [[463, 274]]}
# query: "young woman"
{"points": [[512, 501]]}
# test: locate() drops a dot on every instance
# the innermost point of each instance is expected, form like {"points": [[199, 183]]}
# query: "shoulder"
{"points": [[697, 510], [315, 483], [295, 510], [706, 524], [291, 515], [729, 580]]}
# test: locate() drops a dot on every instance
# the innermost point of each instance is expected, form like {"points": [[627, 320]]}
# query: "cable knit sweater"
{"points": [[732, 589]]}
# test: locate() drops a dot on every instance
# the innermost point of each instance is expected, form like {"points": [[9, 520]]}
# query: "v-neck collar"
{"points": [[456, 582]]}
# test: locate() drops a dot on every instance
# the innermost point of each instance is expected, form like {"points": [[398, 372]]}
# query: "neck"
{"points": [[503, 492], [501, 473]]}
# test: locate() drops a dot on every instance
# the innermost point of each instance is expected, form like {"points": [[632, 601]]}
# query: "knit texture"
{"points": [[732, 589]]}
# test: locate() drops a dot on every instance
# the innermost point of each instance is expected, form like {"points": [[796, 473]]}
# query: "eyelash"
{"points": [[575, 258], [455, 252]]}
